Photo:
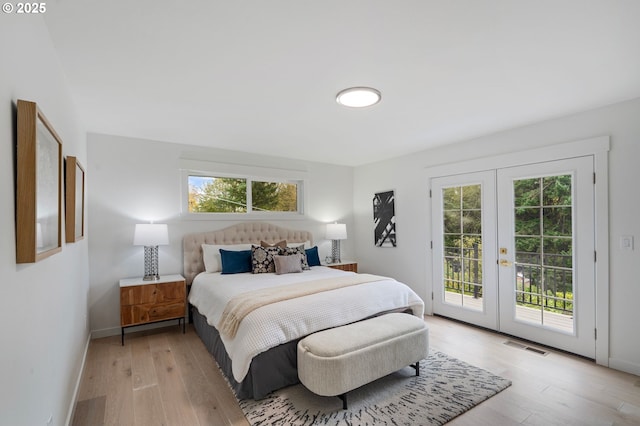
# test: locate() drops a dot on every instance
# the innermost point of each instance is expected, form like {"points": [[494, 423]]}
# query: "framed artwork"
{"points": [[384, 219], [38, 186], [74, 200]]}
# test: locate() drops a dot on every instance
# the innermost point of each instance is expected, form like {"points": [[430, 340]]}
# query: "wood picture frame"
{"points": [[74, 200], [38, 186]]}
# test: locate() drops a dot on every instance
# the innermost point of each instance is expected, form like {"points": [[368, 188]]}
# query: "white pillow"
{"points": [[211, 255]]}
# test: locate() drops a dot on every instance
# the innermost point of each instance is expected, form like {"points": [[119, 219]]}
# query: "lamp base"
{"points": [[335, 251], [151, 277], [151, 263]]}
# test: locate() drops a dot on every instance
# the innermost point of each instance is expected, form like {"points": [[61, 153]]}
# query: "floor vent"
{"points": [[536, 350], [526, 348]]}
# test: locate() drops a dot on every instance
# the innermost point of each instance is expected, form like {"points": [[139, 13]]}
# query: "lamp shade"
{"points": [[336, 231], [155, 234]]}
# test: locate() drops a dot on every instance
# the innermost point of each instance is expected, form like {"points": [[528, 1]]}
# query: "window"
{"points": [[241, 195]]}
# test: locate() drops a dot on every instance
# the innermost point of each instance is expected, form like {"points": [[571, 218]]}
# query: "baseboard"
{"points": [[72, 404], [105, 332], [626, 366]]}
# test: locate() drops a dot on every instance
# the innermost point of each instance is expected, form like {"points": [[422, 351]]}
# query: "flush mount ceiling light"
{"points": [[358, 97]]}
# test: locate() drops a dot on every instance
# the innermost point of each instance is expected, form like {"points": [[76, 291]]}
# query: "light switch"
{"points": [[626, 242]]}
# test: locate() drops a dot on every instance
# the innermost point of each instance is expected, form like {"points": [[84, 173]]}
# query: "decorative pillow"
{"points": [[313, 259], [288, 264], [307, 244], [281, 244], [235, 262], [211, 255], [262, 259], [290, 251]]}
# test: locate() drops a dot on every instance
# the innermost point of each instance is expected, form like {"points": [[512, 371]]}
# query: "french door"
{"points": [[514, 251], [464, 247]]}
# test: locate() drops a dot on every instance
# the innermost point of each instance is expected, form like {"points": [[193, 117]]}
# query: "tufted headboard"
{"points": [[241, 233]]}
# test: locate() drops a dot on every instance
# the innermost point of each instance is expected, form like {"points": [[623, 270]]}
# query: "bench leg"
{"points": [[416, 366], [343, 397]]}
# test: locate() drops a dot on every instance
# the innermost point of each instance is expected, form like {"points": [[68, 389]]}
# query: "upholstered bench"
{"points": [[334, 361]]}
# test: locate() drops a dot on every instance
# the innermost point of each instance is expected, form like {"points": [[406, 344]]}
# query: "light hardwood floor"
{"points": [[164, 377]]}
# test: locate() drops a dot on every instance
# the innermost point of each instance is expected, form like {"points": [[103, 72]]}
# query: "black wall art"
{"points": [[384, 219]]}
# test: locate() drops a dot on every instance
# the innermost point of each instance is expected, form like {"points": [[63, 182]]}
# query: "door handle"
{"points": [[505, 262]]}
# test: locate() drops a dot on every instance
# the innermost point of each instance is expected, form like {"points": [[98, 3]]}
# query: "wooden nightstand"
{"points": [[144, 302], [345, 266]]}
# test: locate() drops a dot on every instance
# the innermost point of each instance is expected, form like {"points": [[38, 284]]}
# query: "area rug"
{"points": [[446, 388]]}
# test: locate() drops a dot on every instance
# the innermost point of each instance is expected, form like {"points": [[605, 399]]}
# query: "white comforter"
{"points": [[281, 322]]}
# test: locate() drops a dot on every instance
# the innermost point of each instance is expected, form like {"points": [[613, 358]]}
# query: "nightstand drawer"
{"points": [[151, 312], [152, 293], [345, 266]]}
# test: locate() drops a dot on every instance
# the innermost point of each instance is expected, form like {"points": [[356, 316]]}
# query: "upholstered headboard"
{"points": [[241, 233]]}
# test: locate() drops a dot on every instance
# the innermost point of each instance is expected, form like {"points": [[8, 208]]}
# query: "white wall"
{"points": [[134, 181], [43, 308], [409, 261]]}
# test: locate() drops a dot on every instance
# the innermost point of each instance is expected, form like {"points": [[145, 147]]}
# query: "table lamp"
{"points": [[151, 236], [335, 233]]}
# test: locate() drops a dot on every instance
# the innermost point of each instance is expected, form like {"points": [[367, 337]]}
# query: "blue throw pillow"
{"points": [[312, 256], [235, 262]]}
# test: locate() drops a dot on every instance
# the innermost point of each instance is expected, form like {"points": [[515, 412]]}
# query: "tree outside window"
{"points": [[209, 194]]}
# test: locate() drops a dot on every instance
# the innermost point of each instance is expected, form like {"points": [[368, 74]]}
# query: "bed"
{"points": [[259, 356]]}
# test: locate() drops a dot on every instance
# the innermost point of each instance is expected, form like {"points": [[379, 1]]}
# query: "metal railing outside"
{"points": [[540, 282]]}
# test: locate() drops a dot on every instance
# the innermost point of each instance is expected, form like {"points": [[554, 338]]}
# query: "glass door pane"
{"points": [[462, 224], [543, 251]]}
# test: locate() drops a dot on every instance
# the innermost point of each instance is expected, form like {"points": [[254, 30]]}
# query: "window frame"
{"points": [[250, 214]]}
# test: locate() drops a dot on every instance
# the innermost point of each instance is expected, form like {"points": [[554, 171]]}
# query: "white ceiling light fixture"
{"points": [[358, 97]]}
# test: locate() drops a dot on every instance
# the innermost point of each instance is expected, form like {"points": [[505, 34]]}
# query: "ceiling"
{"points": [[261, 76]]}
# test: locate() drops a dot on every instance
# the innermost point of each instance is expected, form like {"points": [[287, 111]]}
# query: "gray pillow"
{"points": [[288, 251], [288, 264]]}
